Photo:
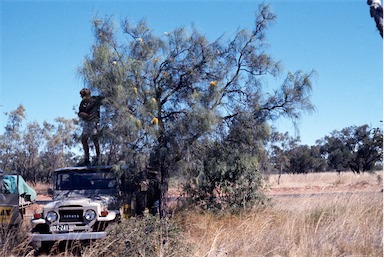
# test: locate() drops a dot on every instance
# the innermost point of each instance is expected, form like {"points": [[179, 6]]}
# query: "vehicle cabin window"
{"points": [[64, 182], [87, 180]]}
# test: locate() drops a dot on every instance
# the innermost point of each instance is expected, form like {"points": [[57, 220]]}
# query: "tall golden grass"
{"points": [[325, 180], [342, 219], [341, 225]]}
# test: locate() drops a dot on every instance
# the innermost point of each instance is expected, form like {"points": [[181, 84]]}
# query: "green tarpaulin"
{"points": [[10, 185]]}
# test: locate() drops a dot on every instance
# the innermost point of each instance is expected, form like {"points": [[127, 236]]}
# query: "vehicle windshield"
{"points": [[74, 180]]}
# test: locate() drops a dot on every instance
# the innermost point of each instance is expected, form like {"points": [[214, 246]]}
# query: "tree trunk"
{"points": [[163, 191]]}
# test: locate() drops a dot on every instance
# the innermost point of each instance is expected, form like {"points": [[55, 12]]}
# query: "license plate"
{"points": [[61, 228]]}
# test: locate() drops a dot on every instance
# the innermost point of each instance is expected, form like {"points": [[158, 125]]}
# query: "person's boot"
{"points": [[84, 162], [96, 161]]}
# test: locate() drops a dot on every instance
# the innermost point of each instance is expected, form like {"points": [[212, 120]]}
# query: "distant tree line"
{"points": [[355, 148], [34, 150]]}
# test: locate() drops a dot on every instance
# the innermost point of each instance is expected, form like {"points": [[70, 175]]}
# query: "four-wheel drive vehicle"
{"points": [[85, 202], [15, 196]]}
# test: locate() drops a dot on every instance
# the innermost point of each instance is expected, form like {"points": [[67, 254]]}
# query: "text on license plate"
{"points": [[61, 228]]}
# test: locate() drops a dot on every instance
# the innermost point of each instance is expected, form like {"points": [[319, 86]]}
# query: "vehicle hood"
{"points": [[81, 198]]}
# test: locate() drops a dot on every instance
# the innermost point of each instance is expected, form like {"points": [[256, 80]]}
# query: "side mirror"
{"points": [[50, 192], [27, 198]]}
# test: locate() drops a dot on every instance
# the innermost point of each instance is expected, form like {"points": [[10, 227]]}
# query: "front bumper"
{"points": [[67, 236]]}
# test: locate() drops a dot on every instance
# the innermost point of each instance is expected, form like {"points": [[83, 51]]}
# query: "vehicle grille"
{"points": [[71, 215]]}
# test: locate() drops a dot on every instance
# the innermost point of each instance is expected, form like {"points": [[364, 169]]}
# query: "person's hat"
{"points": [[85, 92]]}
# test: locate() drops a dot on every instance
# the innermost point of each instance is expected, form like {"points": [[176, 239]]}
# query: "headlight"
{"points": [[90, 215], [51, 216]]}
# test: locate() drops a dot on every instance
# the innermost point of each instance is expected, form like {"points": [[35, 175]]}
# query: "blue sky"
{"points": [[44, 42]]}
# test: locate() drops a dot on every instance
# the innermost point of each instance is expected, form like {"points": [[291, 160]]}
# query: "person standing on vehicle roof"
{"points": [[89, 114]]}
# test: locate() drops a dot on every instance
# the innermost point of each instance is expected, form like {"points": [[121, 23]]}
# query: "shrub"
{"points": [[141, 236], [227, 181]]}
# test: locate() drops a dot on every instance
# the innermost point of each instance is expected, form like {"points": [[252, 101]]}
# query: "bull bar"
{"points": [[67, 236]]}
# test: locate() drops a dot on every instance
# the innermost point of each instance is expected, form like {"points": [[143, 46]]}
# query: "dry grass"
{"points": [[14, 241], [337, 226], [42, 188], [346, 223], [324, 179]]}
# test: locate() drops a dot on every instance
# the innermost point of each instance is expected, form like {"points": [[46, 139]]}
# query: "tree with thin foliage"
{"points": [[164, 93], [279, 145], [11, 140]]}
